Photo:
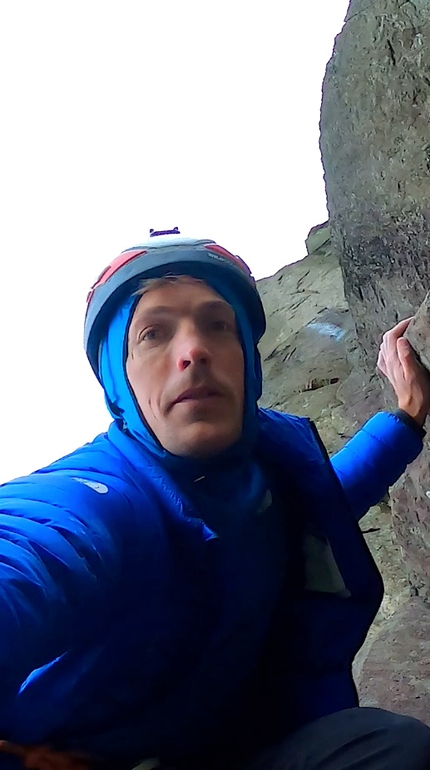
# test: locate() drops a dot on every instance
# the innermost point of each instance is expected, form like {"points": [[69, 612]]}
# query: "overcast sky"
{"points": [[121, 116]]}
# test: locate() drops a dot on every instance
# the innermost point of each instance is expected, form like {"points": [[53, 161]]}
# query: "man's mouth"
{"points": [[197, 394]]}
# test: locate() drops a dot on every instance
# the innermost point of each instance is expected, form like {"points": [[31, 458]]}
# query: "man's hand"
{"points": [[410, 380]]}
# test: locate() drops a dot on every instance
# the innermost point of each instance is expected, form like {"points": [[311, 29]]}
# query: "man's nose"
{"points": [[191, 347]]}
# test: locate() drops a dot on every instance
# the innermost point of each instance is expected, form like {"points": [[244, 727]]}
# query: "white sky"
{"points": [[121, 116]]}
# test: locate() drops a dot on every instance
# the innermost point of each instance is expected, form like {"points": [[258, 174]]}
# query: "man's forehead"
{"points": [[173, 295]]}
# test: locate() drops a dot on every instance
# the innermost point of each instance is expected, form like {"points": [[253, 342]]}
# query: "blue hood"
{"points": [[125, 410]]}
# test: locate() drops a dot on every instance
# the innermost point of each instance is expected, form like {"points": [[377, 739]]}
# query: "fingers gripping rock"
{"points": [[418, 333]]}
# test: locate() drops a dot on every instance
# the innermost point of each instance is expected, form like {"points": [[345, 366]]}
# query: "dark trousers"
{"points": [[355, 739]]}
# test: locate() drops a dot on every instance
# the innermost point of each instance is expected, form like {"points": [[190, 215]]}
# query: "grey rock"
{"points": [[376, 154], [309, 335], [418, 332], [319, 240], [300, 365], [308, 353], [393, 671]]}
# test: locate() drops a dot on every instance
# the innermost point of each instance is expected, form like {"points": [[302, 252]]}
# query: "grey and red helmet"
{"points": [[166, 252]]}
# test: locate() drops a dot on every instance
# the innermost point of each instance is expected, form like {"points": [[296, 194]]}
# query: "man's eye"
{"points": [[221, 325], [150, 335]]}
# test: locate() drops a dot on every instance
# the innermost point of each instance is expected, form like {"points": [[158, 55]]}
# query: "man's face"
{"points": [[185, 366]]}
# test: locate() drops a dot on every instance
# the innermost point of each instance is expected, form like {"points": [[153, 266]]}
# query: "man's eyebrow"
{"points": [[156, 310], [159, 310], [216, 304]]}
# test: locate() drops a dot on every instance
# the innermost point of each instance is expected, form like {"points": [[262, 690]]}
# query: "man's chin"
{"points": [[202, 441]]}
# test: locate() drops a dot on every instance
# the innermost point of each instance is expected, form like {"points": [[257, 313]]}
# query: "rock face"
{"points": [[376, 152], [312, 367], [411, 495], [418, 333], [308, 354], [309, 335], [395, 673]]}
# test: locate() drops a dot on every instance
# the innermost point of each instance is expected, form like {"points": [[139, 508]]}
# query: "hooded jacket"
{"points": [[113, 635]]}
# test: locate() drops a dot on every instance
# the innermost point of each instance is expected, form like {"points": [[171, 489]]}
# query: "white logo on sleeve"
{"points": [[96, 485]]}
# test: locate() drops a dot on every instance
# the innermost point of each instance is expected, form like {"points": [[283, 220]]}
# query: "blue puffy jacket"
{"points": [[108, 598]]}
